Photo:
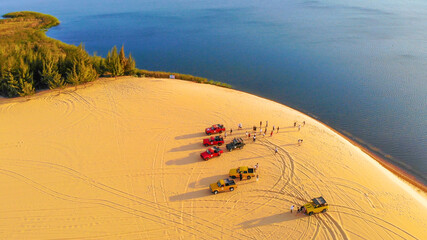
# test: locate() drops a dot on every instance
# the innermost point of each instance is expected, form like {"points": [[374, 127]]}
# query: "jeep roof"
{"points": [[319, 201]]}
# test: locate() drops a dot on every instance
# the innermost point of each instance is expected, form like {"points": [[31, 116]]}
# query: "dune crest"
{"points": [[121, 159]]}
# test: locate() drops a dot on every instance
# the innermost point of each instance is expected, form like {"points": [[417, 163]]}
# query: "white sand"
{"points": [[120, 159]]}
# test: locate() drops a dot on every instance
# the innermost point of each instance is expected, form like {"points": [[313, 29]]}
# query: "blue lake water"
{"points": [[359, 66]]}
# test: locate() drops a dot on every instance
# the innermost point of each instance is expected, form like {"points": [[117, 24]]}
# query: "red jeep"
{"points": [[210, 153], [217, 140], [217, 128]]}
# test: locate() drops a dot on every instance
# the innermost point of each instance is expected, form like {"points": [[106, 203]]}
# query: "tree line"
{"points": [[26, 68]]}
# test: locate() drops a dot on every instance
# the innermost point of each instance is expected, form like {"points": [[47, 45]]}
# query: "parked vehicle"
{"points": [[236, 143], [247, 173], [217, 128], [211, 152], [317, 205], [217, 140], [223, 185]]}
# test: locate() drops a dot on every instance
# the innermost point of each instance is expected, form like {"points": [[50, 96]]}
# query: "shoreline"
{"points": [[402, 174], [377, 155], [395, 170], [399, 172]]}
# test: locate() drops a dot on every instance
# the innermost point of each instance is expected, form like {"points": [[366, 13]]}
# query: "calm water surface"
{"points": [[359, 66]]}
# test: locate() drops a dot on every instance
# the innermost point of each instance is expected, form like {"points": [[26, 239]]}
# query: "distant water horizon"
{"points": [[359, 66]]}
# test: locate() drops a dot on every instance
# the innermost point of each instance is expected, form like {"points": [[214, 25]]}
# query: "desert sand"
{"points": [[119, 158]]}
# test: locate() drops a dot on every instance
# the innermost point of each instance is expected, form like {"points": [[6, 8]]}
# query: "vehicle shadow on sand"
{"points": [[204, 182], [188, 147], [190, 195], [191, 158], [278, 218], [193, 135], [249, 158]]}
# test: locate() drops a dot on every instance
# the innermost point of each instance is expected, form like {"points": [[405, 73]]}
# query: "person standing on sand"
{"points": [[273, 127], [266, 123], [254, 137], [295, 124], [263, 134], [260, 130], [299, 127], [225, 134], [257, 177], [231, 131], [241, 176], [249, 135], [240, 126], [271, 134], [276, 150], [246, 133], [292, 208], [265, 131], [260, 123], [254, 128], [277, 129], [303, 123], [256, 166], [299, 210]]}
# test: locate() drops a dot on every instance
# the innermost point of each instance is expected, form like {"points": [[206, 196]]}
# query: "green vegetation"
{"points": [[30, 61], [156, 74]]}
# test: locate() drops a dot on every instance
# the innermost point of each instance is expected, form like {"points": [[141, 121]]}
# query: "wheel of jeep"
{"points": [[206, 145], [231, 189], [249, 177], [310, 213], [215, 192], [219, 144], [209, 133], [220, 131], [230, 149], [324, 210], [233, 177]]}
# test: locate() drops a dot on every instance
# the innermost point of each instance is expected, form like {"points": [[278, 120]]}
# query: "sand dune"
{"points": [[120, 159]]}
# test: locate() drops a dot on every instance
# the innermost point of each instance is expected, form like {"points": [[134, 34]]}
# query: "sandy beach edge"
{"points": [[403, 175]]}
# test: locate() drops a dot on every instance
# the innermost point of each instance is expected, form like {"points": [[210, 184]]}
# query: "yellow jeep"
{"points": [[247, 173], [316, 205], [223, 185]]}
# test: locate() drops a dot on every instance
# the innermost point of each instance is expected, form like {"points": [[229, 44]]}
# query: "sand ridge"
{"points": [[120, 159]]}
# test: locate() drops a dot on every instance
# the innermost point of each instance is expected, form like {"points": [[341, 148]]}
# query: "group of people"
{"points": [[299, 125], [248, 134], [299, 210]]}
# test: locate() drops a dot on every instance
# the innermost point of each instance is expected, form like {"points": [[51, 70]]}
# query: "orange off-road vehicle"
{"points": [[247, 172], [223, 185]]}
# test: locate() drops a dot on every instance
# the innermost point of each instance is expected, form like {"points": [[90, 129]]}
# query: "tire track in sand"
{"points": [[161, 208], [101, 202]]}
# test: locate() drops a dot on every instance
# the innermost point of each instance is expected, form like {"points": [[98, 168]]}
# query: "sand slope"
{"points": [[120, 159]]}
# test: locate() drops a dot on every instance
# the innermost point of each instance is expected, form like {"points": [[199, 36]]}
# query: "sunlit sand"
{"points": [[121, 159]]}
